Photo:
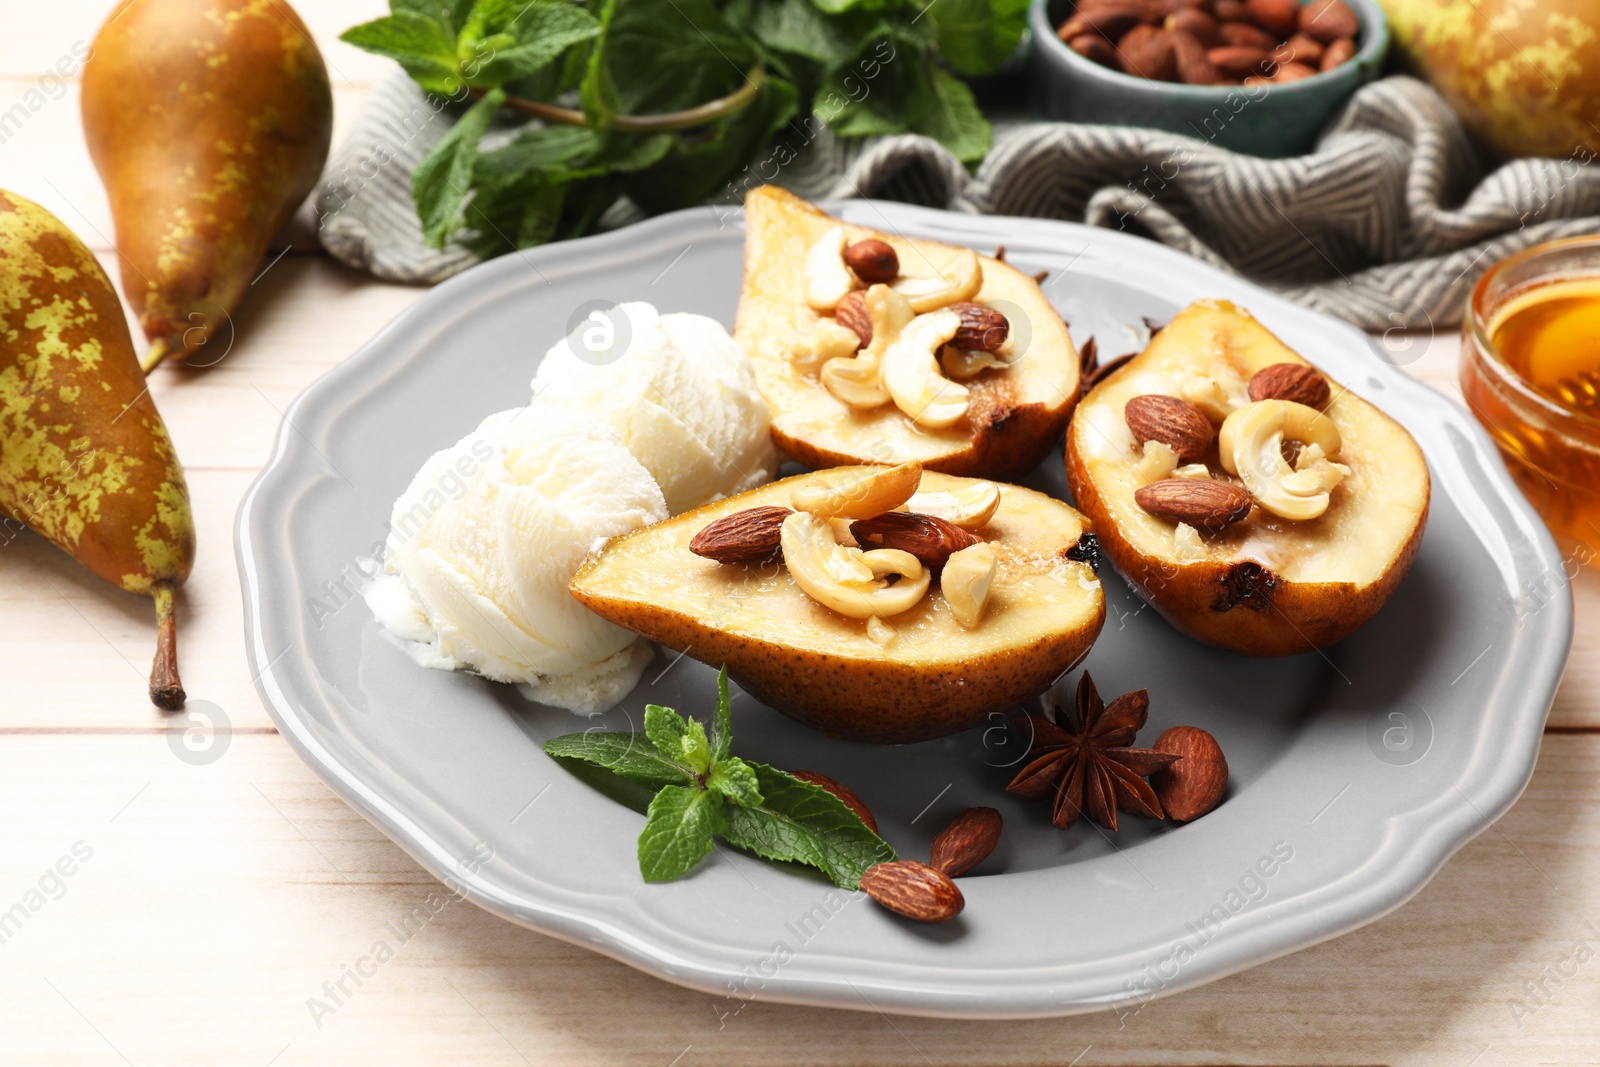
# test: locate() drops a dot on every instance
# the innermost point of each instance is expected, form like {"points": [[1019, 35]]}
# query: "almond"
{"points": [[852, 314], [914, 890], [1292, 72], [873, 261], [966, 842], [1193, 66], [1194, 784], [1108, 22], [930, 539], [1229, 10], [982, 328], [1277, 17], [1298, 382], [1329, 20], [1094, 47], [1199, 25], [1237, 61], [1299, 49], [843, 792], [1244, 35], [1147, 52], [1204, 503], [1176, 423], [749, 536], [1339, 52]]}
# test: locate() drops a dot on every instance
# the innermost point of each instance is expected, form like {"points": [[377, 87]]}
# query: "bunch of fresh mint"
{"points": [[701, 791], [859, 67]]}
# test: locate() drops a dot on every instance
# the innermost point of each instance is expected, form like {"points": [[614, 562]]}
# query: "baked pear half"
{"points": [[875, 348], [877, 615], [1257, 504]]}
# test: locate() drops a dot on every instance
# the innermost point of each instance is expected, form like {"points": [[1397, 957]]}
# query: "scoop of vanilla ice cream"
{"points": [[483, 543], [679, 393]]}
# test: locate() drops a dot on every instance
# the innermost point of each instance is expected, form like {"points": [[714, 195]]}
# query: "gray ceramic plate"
{"points": [[1356, 772]]}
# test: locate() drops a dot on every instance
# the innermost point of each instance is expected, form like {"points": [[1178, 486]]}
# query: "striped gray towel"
{"points": [[1387, 224]]}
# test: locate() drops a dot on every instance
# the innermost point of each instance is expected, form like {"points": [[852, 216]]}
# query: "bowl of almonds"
{"points": [[1255, 76]]}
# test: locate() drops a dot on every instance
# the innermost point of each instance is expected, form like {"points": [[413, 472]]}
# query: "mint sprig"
{"points": [[703, 791], [860, 67]]}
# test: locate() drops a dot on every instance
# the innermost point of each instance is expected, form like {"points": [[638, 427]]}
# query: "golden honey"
{"points": [[1530, 372]]}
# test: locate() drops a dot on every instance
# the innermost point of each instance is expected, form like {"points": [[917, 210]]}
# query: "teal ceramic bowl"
{"points": [[1270, 120]]}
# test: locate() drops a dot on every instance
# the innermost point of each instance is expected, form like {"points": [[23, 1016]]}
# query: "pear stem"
{"points": [[166, 688], [154, 355]]}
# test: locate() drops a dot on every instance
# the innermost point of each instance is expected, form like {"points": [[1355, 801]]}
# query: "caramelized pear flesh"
{"points": [[1264, 586], [931, 678], [1014, 415], [85, 459], [209, 121]]}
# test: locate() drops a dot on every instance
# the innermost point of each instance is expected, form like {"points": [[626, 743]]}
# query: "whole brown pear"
{"points": [[209, 122], [85, 459]]}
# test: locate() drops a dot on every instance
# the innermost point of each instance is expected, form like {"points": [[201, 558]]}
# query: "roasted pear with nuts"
{"points": [[1254, 502], [881, 604], [871, 347]]}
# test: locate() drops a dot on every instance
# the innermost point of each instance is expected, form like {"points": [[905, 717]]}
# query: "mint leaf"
{"points": [[442, 180], [951, 117], [450, 15], [598, 93], [679, 830], [805, 823], [421, 45], [629, 756], [721, 731], [976, 36], [734, 779], [666, 730], [534, 35]]}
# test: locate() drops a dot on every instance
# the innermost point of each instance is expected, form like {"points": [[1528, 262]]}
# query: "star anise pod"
{"points": [[1084, 759]]}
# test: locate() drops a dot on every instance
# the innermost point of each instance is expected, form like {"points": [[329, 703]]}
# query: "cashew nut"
{"points": [[965, 582], [1250, 445], [1192, 470], [815, 560], [1218, 395], [950, 283], [826, 275], [858, 493], [880, 633], [911, 372], [858, 380], [829, 341], [969, 507], [1158, 462]]}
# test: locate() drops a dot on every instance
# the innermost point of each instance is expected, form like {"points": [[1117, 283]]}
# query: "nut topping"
{"points": [[848, 580], [969, 507], [914, 890], [1204, 503], [1251, 446], [1176, 423], [873, 261], [932, 540], [957, 280], [967, 841], [965, 582], [982, 328], [911, 372], [853, 315], [1299, 382], [1195, 783], [749, 536], [859, 494], [827, 279]]}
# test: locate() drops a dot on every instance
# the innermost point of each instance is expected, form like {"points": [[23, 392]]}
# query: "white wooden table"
{"points": [[208, 903]]}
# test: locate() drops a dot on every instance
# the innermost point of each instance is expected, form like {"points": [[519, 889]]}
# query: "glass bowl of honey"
{"points": [[1530, 372]]}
